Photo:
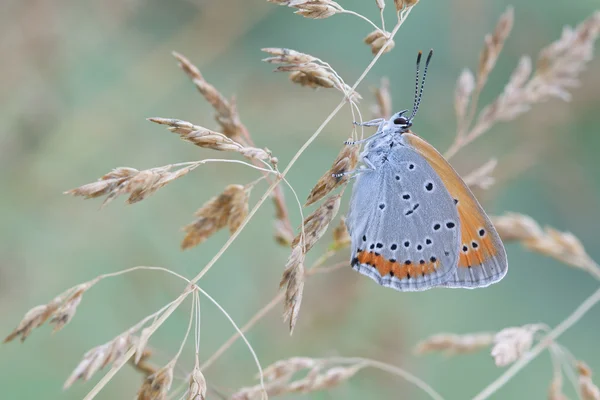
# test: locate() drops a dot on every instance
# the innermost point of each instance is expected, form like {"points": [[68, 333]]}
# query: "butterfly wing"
{"points": [[404, 226], [482, 260]]}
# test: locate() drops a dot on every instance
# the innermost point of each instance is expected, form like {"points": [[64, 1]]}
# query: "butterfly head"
{"points": [[400, 122]]}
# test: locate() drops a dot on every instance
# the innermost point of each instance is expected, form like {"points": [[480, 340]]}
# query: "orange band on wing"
{"points": [[401, 271]]}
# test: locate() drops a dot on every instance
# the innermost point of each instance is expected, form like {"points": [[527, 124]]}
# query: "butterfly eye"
{"points": [[400, 121]]}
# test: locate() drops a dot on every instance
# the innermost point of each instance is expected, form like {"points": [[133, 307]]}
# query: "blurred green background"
{"points": [[78, 80]]}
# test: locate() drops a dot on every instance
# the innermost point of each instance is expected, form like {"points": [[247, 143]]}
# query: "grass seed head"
{"points": [[383, 99], [197, 387], [345, 162], [156, 386], [341, 237], [511, 343], [377, 39], [293, 278], [99, 357], [315, 225], [226, 113], [455, 344], [587, 388], [227, 209], [493, 46], [402, 4]]}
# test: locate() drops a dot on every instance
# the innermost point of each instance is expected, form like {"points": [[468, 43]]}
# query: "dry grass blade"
{"points": [[307, 70], [207, 138], [587, 388], [293, 278], [337, 175], [156, 386], [316, 223], [563, 246], [482, 177], [99, 357], [138, 184], [226, 113], [452, 344], [60, 311], [383, 98], [511, 343], [227, 209], [377, 39]]}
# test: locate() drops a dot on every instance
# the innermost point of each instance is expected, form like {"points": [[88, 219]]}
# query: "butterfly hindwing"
{"points": [[482, 258], [404, 226]]}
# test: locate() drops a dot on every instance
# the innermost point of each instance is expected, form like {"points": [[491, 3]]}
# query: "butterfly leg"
{"points": [[374, 122], [368, 167]]}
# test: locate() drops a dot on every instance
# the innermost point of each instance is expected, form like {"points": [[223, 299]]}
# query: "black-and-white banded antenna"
{"points": [[419, 91]]}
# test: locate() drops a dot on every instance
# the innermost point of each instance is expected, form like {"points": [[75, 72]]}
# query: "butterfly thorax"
{"points": [[385, 143]]}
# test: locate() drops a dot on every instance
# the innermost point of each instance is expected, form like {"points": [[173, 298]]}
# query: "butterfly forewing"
{"points": [[482, 260], [404, 225]]}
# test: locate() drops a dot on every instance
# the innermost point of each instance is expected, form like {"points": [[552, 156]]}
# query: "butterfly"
{"points": [[414, 223]]}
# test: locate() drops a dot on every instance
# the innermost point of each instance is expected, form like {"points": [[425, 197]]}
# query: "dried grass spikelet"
{"points": [[60, 311], [558, 68], [402, 4], [337, 175], [383, 99], [587, 388], [138, 184], [561, 62], [197, 387], [209, 139], [230, 208], [462, 94], [563, 246], [283, 236], [452, 344], [482, 177], [315, 9], [156, 386], [287, 368], [63, 315], [277, 376], [143, 365], [316, 223], [307, 70], [511, 343], [555, 391], [293, 279], [493, 46], [341, 237], [317, 378], [377, 39], [380, 4], [226, 113], [101, 356]]}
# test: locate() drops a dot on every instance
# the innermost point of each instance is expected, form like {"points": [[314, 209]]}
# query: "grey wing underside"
{"points": [[401, 212]]}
